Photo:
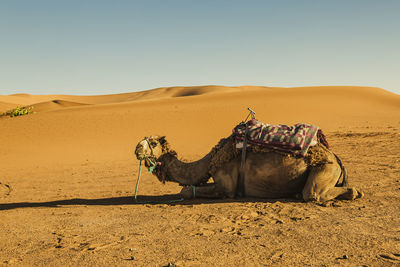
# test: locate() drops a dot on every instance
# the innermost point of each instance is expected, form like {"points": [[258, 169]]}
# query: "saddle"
{"points": [[295, 140]]}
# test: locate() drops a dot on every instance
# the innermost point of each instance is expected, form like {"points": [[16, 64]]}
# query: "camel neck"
{"points": [[187, 173]]}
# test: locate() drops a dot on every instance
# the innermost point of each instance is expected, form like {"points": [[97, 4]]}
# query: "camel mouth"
{"points": [[142, 156], [147, 162]]}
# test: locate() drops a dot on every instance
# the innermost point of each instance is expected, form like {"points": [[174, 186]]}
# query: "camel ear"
{"points": [[162, 140]]}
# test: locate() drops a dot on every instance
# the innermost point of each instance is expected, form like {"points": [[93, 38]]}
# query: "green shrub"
{"points": [[18, 111]]}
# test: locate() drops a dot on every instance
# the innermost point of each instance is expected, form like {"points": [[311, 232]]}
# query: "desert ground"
{"points": [[68, 175]]}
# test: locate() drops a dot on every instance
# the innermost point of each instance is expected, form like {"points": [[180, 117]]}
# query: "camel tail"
{"points": [[343, 174], [345, 181]]}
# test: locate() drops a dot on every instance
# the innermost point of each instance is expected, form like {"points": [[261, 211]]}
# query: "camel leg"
{"points": [[225, 185], [203, 191], [226, 179], [320, 185]]}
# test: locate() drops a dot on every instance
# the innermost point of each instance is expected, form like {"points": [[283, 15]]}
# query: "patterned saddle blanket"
{"points": [[296, 139]]}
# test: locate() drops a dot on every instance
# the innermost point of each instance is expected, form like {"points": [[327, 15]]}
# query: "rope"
{"points": [[138, 179], [194, 191], [152, 167], [150, 202], [240, 185]]}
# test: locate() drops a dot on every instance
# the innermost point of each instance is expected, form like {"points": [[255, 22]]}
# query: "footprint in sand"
{"points": [[5, 189], [392, 257]]}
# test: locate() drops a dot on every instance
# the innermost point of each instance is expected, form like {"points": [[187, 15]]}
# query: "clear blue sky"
{"points": [[101, 47]]}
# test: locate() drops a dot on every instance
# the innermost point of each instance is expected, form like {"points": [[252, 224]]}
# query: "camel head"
{"points": [[152, 148]]}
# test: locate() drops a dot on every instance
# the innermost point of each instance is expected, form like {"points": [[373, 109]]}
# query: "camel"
{"points": [[268, 174]]}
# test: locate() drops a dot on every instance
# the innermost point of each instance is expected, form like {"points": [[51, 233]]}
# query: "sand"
{"points": [[68, 173]]}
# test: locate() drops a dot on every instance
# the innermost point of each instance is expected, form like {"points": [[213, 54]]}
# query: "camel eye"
{"points": [[153, 144]]}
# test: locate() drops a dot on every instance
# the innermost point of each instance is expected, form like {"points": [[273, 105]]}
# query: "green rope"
{"points": [[138, 179], [151, 169], [194, 191]]}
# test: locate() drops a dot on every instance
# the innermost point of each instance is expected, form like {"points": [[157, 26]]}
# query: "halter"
{"points": [[154, 165]]}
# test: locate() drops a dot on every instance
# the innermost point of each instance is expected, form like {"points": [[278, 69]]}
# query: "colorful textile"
{"points": [[295, 139]]}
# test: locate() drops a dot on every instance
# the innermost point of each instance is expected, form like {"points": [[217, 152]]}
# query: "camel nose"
{"points": [[140, 155]]}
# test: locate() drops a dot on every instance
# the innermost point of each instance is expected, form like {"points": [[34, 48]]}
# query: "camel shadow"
{"points": [[169, 199]]}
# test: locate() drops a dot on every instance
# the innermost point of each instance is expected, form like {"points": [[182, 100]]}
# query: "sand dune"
{"points": [[68, 171], [6, 106], [158, 93], [172, 92], [54, 104]]}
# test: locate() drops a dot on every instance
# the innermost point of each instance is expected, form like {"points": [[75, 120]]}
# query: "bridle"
{"points": [[155, 166]]}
